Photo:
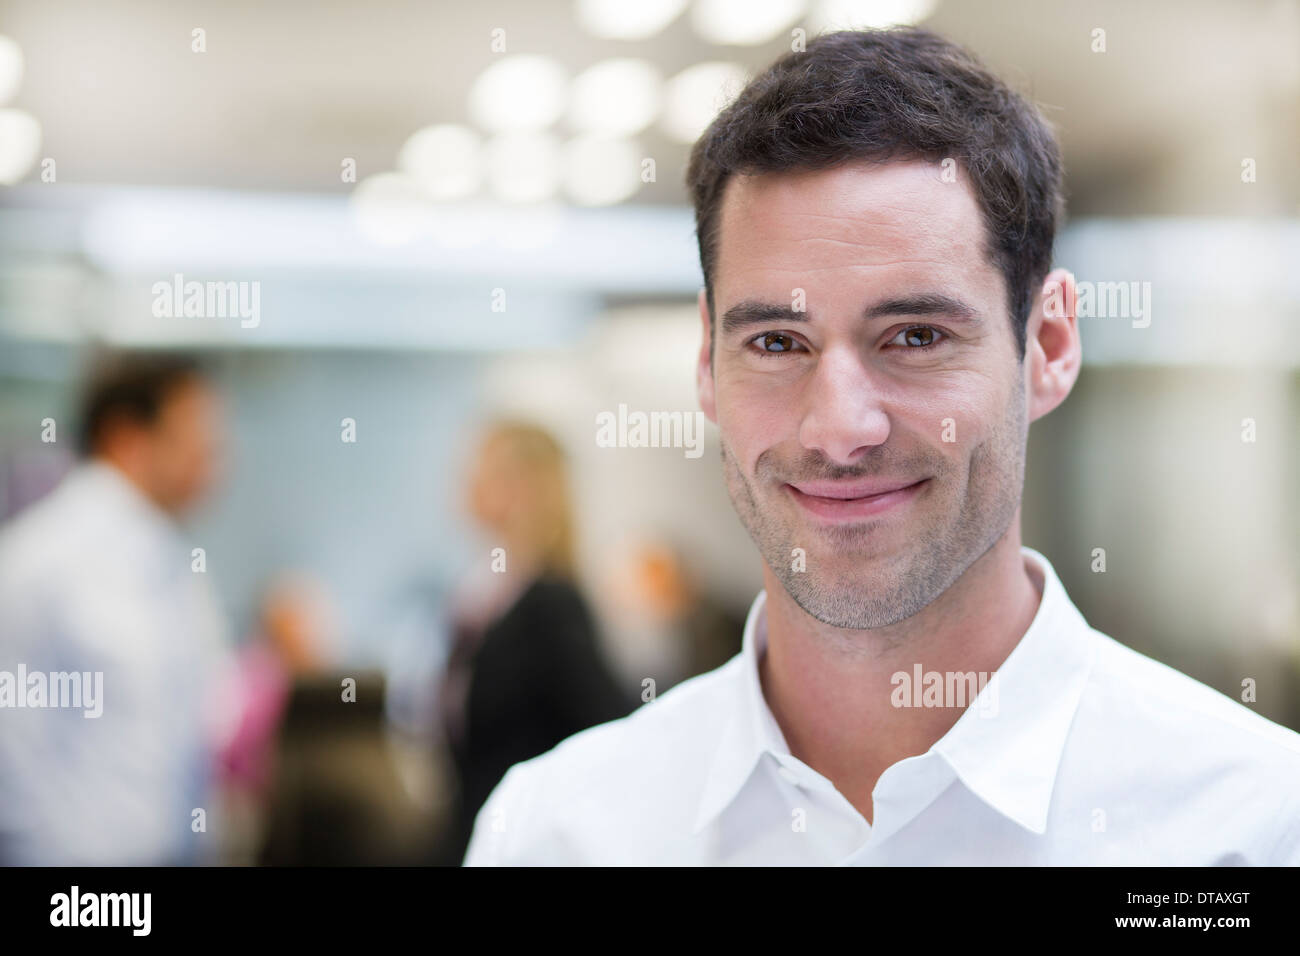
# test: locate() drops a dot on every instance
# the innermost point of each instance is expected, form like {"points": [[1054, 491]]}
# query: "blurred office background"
{"points": [[450, 216]]}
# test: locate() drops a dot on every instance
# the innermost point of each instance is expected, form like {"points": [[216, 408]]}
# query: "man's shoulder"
{"points": [[646, 765], [1169, 715], [32, 545], [1152, 744]]}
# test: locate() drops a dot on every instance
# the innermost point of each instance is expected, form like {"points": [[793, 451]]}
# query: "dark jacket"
{"points": [[537, 677]]}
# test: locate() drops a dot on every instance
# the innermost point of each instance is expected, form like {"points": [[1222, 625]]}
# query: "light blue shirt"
{"points": [[96, 580]]}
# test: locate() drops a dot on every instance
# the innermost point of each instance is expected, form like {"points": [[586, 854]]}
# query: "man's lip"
{"points": [[871, 499], [852, 490]]}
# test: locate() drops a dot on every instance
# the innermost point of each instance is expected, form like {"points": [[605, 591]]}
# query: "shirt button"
{"points": [[789, 776]]}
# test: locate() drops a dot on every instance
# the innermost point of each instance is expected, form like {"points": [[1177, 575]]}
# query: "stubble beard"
{"points": [[848, 582]]}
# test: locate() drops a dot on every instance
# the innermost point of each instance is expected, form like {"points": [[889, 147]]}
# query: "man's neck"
{"points": [[830, 688]]}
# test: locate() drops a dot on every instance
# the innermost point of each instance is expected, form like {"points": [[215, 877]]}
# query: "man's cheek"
{"points": [[755, 415], [744, 443], [948, 422]]}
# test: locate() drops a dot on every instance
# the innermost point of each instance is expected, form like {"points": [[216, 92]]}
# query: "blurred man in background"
{"points": [[98, 580]]}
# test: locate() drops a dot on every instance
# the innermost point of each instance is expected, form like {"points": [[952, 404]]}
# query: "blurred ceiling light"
{"points": [[626, 20], [523, 167], [867, 14], [20, 143], [11, 68], [744, 22], [615, 97], [390, 209], [519, 92], [444, 159], [696, 95], [601, 170]]}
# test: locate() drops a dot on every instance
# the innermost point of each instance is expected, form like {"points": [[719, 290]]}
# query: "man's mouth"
{"points": [[854, 499]]}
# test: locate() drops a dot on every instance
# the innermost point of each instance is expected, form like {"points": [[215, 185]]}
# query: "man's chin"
{"points": [[854, 546], [850, 585], [858, 607]]}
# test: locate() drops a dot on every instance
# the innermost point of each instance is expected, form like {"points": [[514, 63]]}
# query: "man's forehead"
{"points": [[190, 395], [191, 388], [853, 214]]}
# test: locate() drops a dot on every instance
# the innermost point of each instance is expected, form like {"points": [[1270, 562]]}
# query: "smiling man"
{"points": [[876, 218]]}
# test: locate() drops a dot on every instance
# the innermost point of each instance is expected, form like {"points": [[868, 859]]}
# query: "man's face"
{"points": [[184, 446], [882, 429]]}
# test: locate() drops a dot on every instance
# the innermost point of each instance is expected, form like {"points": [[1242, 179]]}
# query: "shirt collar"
{"points": [[1007, 756], [750, 731]]}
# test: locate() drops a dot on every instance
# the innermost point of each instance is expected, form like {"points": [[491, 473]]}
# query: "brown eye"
{"points": [[776, 342], [920, 336]]}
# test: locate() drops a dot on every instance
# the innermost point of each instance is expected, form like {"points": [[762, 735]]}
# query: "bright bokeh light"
{"points": [[523, 167], [20, 144], [615, 97], [696, 95], [446, 160], [519, 92], [626, 19], [744, 22], [600, 171]]}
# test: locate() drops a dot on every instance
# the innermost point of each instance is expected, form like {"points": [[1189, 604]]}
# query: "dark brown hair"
{"points": [[132, 385], [881, 95]]}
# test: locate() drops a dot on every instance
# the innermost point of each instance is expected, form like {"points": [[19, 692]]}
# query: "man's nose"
{"points": [[843, 412]]}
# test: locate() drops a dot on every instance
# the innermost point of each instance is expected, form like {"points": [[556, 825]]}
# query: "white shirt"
{"points": [[95, 578], [1093, 755]]}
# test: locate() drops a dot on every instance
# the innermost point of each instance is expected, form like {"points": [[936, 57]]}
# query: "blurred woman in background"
{"points": [[525, 669]]}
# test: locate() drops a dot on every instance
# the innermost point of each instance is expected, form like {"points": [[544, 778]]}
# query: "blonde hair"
{"points": [[541, 462]]}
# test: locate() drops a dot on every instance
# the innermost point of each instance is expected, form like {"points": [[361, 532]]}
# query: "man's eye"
{"points": [[774, 343], [917, 337]]}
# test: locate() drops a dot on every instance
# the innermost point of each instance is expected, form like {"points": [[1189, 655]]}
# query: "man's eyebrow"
{"points": [[750, 312], [924, 303]]}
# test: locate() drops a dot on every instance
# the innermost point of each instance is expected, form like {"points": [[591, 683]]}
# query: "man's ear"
{"points": [[704, 364], [1053, 352]]}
